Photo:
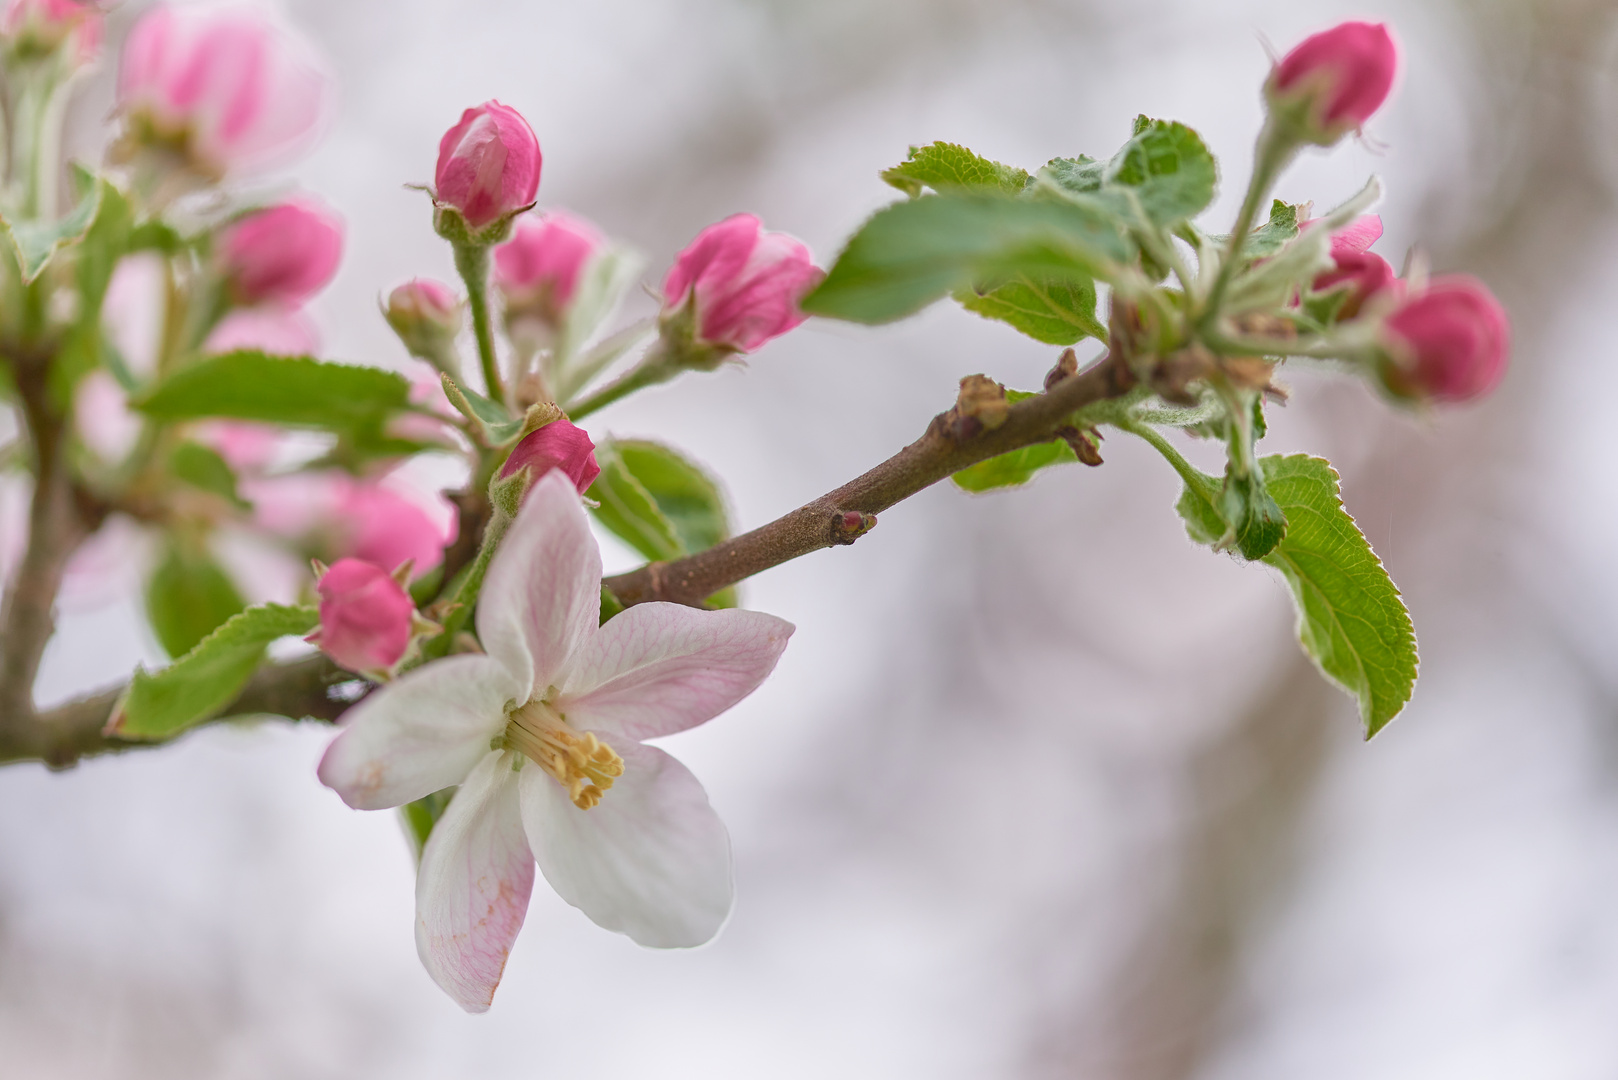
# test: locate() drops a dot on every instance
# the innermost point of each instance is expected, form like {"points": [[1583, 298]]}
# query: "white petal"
{"points": [[542, 596], [651, 860], [419, 734], [660, 668], [473, 886]]}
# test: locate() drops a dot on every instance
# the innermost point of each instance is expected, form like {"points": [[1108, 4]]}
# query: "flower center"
{"points": [[582, 763]]}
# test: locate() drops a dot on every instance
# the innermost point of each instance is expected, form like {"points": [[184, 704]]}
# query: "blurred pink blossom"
{"points": [[236, 89], [272, 329], [384, 521], [538, 269], [46, 25], [1345, 73], [745, 283], [488, 164], [1448, 342], [103, 418], [283, 254]]}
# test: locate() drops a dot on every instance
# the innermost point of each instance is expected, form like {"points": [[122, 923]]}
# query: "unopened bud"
{"points": [[537, 272], [39, 29], [736, 286], [557, 445], [1448, 342], [426, 314], [281, 255], [1332, 82], [488, 168], [367, 619]]}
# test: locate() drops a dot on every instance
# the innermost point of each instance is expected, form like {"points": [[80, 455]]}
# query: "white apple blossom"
{"points": [[544, 736]]}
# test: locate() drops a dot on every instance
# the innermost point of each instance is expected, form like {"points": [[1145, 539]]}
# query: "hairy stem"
{"points": [[472, 263]]}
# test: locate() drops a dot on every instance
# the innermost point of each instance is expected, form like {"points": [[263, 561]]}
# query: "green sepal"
{"points": [[1258, 521], [189, 596], [610, 605], [421, 816], [199, 685], [946, 166]]}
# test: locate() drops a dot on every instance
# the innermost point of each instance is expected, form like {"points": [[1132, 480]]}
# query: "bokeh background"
{"points": [[1040, 789]]}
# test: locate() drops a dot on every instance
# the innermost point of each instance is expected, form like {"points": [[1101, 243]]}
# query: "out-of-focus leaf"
{"points": [[296, 391], [203, 468], [420, 816], [36, 242], [188, 597], [1055, 311]]}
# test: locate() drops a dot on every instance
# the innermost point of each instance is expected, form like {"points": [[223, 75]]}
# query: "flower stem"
{"points": [[472, 263], [655, 367], [1270, 155]]}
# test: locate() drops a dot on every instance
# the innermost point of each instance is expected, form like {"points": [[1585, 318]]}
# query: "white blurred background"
{"points": [[1040, 789]]}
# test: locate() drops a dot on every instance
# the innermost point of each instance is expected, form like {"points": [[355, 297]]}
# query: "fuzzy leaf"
{"points": [[1168, 169], [196, 687], [946, 166], [916, 251]]}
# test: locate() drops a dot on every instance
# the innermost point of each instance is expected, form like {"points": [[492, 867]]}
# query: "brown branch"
{"points": [[980, 426], [59, 737]]}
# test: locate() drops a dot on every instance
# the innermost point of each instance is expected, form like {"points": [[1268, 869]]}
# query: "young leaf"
{"points": [[95, 257], [946, 166], [203, 468], [628, 510], [36, 242], [1169, 169], [297, 391], [1014, 467], [188, 597], [500, 426], [160, 705], [914, 252], [1351, 621], [1052, 310]]}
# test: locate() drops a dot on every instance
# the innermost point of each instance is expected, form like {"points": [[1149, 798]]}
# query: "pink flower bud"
{"points": [[1357, 236], [488, 164], [1448, 343], [1367, 274], [365, 616], [537, 270], [273, 330], [1342, 75], [41, 27], [426, 314], [282, 255], [226, 86], [744, 283], [557, 445], [330, 512]]}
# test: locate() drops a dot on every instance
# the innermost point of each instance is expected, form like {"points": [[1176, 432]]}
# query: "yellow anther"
{"points": [[579, 761]]}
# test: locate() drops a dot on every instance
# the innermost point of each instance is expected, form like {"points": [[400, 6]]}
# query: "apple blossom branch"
{"points": [[981, 425]]}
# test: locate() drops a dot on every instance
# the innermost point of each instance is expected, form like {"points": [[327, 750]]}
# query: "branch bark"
{"points": [[954, 440], [980, 426]]}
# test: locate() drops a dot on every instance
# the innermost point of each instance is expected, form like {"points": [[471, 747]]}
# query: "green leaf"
{"points": [[946, 166], [420, 816], [1054, 311], [1351, 621], [659, 503], [95, 257], [610, 605], [496, 421], [196, 687], [1260, 522], [296, 391], [202, 468], [1015, 467], [1169, 170], [1075, 176], [188, 596], [1272, 236], [36, 242], [916, 251]]}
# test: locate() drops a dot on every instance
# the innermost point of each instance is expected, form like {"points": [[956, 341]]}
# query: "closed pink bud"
{"points": [[365, 616], [1342, 74], [282, 255], [1366, 273], [557, 445], [1447, 343], [538, 269], [41, 27], [233, 90], [426, 314], [488, 164], [744, 283]]}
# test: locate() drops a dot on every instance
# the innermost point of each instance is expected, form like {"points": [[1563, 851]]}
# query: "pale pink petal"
{"points": [[660, 668], [651, 860], [419, 734], [473, 886], [542, 597]]}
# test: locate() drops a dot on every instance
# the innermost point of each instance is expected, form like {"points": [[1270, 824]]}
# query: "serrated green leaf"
{"points": [[1273, 235], [37, 242], [296, 391], [1351, 621], [916, 251], [1013, 468], [421, 816], [196, 687], [1168, 169], [188, 597], [1056, 312], [204, 469], [946, 166]]}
